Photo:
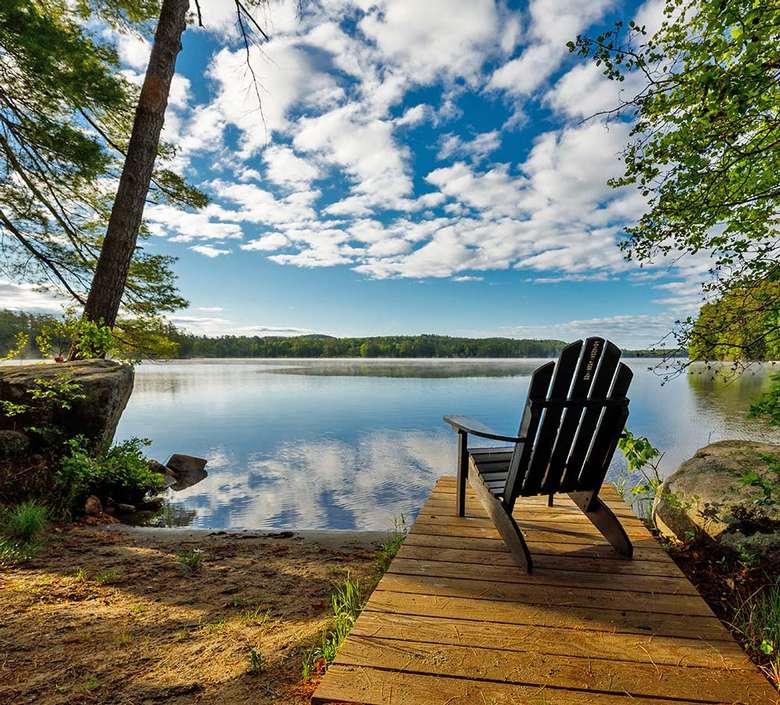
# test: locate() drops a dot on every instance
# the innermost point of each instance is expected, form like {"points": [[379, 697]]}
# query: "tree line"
{"points": [[186, 345]]}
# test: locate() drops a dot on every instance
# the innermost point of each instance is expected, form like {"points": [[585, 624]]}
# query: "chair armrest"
{"points": [[466, 424]]}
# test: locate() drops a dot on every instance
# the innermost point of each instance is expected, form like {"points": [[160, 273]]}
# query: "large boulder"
{"points": [[105, 384], [708, 494]]}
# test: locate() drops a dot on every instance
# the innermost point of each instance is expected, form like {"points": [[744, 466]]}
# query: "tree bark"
{"points": [[108, 284]]}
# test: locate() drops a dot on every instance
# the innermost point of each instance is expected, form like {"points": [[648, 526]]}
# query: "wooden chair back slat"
{"points": [[613, 420], [602, 383], [571, 423], [537, 390], [583, 378], [564, 373]]}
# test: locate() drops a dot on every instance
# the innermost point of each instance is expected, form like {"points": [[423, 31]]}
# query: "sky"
{"points": [[411, 167]]}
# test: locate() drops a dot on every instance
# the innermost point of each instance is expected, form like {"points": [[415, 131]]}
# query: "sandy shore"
{"points": [[109, 615]]}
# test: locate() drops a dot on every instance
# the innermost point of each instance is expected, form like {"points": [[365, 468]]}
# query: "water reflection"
{"points": [[354, 444]]}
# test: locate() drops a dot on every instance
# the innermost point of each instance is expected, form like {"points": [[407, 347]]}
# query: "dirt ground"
{"points": [[107, 615]]}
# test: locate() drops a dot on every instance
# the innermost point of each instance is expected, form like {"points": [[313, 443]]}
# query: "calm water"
{"points": [[353, 444]]}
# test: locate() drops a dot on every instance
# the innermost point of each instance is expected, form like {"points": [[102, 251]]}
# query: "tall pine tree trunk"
{"points": [[116, 254]]}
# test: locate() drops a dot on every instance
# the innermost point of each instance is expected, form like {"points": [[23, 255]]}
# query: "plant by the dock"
{"points": [[389, 549], [21, 531], [643, 461], [347, 601], [757, 620]]}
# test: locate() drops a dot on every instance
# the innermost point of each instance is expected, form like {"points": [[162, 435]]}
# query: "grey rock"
{"points": [[13, 444], [706, 494], [106, 386], [187, 469]]}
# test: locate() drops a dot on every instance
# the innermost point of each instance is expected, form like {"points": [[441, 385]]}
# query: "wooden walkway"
{"points": [[454, 622]]}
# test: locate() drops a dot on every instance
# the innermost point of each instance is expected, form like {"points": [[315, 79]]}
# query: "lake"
{"points": [[354, 444]]}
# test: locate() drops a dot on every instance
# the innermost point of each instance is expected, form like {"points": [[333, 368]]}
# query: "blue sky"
{"points": [[417, 167]]}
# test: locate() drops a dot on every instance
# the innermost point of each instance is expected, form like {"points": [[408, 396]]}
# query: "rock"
{"points": [[187, 469], [13, 444], [105, 384], [93, 507], [158, 467], [706, 494], [169, 479]]}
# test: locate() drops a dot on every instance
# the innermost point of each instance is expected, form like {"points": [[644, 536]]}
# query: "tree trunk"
{"points": [[108, 284]]}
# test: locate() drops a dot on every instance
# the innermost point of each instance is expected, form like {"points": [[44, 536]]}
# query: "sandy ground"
{"points": [[108, 615]]}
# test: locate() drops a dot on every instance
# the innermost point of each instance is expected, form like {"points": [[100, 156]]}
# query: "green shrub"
{"points": [[121, 473], [25, 522], [21, 531]]}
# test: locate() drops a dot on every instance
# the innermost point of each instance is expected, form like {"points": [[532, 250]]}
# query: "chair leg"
{"points": [[463, 473], [504, 523], [602, 517]]}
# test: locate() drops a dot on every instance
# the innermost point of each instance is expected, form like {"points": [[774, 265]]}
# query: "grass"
{"points": [[389, 549], [757, 620], [21, 531], [346, 604], [256, 617], [256, 663], [347, 600], [190, 562], [107, 577]]}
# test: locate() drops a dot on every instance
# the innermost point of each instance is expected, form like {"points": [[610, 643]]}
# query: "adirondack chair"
{"points": [[574, 415]]}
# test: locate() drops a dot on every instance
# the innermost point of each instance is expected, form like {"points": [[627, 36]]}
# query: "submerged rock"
{"points": [[710, 494], [187, 469], [105, 384]]}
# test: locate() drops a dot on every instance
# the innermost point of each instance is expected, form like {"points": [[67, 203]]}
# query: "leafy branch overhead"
{"points": [[705, 145]]}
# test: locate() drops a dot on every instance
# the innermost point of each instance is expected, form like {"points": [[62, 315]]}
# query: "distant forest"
{"points": [[399, 346]]}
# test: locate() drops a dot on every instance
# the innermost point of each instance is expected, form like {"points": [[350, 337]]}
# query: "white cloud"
{"points": [[286, 77], [365, 149], [584, 91], [185, 226], [284, 167], [415, 115], [625, 330], [552, 23], [475, 149], [133, 50], [267, 243], [217, 325], [26, 297], [434, 39], [209, 251]]}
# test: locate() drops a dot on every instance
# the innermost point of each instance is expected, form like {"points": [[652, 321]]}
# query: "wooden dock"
{"points": [[454, 622]]}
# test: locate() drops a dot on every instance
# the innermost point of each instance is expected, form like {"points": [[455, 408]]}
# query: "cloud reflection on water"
{"points": [[326, 483]]}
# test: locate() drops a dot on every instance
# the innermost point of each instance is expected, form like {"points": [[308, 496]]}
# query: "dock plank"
{"points": [[455, 622]]}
